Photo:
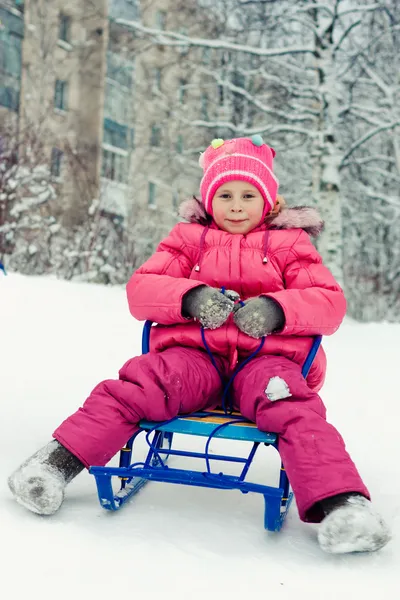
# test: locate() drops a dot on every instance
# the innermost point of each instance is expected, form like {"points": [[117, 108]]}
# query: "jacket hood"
{"points": [[297, 217]]}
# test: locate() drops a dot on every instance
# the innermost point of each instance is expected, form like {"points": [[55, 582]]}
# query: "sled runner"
{"points": [[208, 424]]}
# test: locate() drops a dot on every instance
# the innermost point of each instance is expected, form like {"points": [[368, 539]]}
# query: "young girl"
{"points": [[239, 238]]}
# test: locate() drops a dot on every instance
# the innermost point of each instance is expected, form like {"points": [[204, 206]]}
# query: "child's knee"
{"points": [[286, 385], [277, 389], [289, 387], [128, 367], [275, 378], [276, 384], [143, 370]]}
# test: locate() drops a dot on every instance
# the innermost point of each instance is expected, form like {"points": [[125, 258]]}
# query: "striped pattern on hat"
{"points": [[239, 159]]}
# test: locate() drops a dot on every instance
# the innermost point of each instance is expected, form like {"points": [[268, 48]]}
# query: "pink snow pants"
{"points": [[159, 386]]}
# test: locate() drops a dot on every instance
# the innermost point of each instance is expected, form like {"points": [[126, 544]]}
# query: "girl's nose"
{"points": [[236, 205]]}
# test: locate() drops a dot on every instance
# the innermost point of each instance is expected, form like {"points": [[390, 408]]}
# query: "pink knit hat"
{"points": [[242, 159]]}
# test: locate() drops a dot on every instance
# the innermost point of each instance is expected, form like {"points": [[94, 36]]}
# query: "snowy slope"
{"points": [[57, 341]]}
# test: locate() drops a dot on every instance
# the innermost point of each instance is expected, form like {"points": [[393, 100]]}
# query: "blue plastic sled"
{"points": [[209, 424]]}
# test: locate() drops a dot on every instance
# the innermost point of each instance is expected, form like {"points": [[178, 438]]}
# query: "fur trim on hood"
{"points": [[297, 217]]}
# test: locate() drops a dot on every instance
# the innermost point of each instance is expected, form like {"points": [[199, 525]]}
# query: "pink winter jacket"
{"points": [[276, 259]]}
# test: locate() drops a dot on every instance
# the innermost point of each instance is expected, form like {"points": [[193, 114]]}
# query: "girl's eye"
{"points": [[224, 196], [248, 196]]}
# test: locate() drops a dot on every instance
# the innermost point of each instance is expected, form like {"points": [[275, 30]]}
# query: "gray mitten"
{"points": [[259, 316], [208, 305]]}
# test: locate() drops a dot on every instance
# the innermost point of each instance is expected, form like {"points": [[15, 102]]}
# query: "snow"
{"points": [[57, 341]]}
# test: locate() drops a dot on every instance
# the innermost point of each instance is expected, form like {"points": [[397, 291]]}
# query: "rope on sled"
{"points": [[226, 395], [227, 385]]}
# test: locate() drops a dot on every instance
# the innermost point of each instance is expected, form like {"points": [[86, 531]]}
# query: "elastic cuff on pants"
{"points": [[68, 447], [314, 513]]}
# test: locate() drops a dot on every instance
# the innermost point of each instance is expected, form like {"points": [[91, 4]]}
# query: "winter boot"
{"points": [[39, 483], [351, 525]]}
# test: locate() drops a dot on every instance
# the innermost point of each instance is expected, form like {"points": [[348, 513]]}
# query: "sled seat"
{"points": [[204, 424], [209, 424]]}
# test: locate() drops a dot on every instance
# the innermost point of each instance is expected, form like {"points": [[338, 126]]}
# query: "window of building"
{"points": [[161, 19], [9, 97], [152, 194], [206, 56], [117, 103], [64, 28], [10, 54], [238, 100], [115, 164], [56, 162], [115, 134], [225, 58], [238, 79], [120, 69], [221, 95], [179, 144], [182, 91], [132, 137], [157, 79], [123, 9], [155, 138], [11, 36], [60, 95], [117, 139], [204, 107], [184, 49]]}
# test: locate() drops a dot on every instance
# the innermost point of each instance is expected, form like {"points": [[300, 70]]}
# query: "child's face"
{"points": [[237, 207]]}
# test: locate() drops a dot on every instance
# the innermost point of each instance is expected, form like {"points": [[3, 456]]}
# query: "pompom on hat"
{"points": [[243, 159]]}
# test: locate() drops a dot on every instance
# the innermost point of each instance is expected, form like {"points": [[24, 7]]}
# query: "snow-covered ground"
{"points": [[57, 341]]}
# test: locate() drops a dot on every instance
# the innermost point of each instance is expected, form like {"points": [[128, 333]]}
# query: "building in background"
{"points": [[148, 88], [51, 93], [103, 109], [11, 38]]}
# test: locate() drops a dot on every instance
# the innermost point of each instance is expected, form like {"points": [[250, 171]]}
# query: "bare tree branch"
{"points": [[365, 138], [170, 38]]}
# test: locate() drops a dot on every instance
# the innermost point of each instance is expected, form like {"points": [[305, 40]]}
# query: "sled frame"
{"points": [[211, 424]]}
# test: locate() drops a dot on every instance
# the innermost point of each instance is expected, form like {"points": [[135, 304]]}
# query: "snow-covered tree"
{"points": [[317, 79], [35, 240], [371, 169], [287, 70], [26, 196]]}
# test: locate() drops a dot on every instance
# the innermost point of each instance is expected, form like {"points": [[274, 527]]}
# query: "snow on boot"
{"points": [[351, 525], [39, 483]]}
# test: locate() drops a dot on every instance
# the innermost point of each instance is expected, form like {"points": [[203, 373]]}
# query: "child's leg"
{"points": [[154, 386], [271, 391]]}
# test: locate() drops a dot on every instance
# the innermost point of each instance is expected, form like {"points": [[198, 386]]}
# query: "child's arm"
{"points": [[156, 289], [313, 301]]}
